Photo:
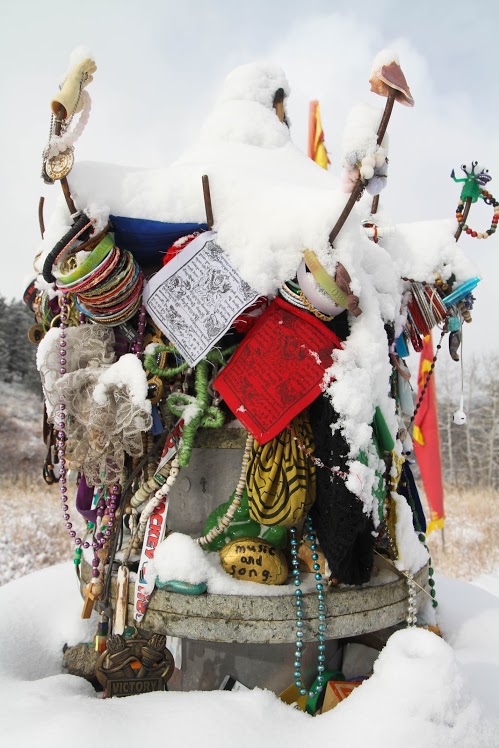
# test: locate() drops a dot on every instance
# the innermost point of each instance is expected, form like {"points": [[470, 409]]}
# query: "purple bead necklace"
{"points": [[108, 501]]}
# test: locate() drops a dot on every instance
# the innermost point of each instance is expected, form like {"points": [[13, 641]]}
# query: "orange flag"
{"points": [[316, 148], [426, 438]]}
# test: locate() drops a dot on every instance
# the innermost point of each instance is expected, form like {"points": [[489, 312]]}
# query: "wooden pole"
{"points": [[40, 215], [466, 210], [359, 187], [207, 201]]}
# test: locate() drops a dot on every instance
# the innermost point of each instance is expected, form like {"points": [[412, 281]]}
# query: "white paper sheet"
{"points": [[195, 298]]}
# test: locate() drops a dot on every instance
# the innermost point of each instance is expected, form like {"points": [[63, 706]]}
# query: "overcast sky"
{"points": [[161, 65]]}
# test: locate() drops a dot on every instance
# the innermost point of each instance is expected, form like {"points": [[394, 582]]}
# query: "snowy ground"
{"points": [[424, 692]]}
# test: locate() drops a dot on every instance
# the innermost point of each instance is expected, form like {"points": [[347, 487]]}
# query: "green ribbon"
{"points": [[208, 416]]}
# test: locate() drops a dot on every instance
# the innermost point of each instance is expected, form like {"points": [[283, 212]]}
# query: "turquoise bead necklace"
{"points": [[321, 611]]}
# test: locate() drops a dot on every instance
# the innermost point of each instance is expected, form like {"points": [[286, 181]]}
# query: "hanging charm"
{"points": [[89, 602], [57, 167], [134, 666]]}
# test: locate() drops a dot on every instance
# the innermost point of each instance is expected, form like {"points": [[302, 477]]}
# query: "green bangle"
{"points": [[324, 280], [183, 588], [90, 264]]}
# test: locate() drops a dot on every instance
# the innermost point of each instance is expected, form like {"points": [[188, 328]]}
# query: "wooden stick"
{"points": [[359, 187], [40, 215], [207, 201], [386, 116], [278, 105], [466, 210], [374, 205], [67, 196]]}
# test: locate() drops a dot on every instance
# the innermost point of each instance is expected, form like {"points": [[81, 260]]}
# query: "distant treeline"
{"points": [[470, 453], [17, 353]]}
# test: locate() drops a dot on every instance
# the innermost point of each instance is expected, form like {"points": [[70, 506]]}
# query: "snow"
{"points": [[385, 57], [77, 56], [127, 372], [488, 582], [361, 134], [412, 554], [424, 691]]}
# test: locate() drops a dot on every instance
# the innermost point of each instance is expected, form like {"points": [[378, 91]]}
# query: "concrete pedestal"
{"points": [[252, 638]]}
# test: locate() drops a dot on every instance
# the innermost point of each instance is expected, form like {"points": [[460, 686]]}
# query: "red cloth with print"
{"points": [[277, 370]]}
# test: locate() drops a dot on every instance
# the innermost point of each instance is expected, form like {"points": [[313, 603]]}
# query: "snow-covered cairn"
{"points": [[251, 304]]}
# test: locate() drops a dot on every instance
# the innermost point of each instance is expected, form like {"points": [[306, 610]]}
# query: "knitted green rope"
{"points": [[215, 356], [201, 413]]}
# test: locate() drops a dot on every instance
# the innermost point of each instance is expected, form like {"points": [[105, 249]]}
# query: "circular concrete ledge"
{"points": [[351, 611]]}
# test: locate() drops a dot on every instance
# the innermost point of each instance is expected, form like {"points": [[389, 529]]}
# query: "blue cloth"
{"points": [[400, 345], [157, 423], [147, 240]]}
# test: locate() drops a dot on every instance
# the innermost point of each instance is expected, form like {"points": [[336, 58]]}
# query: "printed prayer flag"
{"points": [[316, 147], [426, 439], [277, 370]]}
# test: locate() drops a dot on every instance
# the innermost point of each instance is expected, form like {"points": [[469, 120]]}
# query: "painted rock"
{"points": [[254, 560]]}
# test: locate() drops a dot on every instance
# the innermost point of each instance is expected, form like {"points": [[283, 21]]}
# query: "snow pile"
{"points": [[419, 695], [412, 554], [418, 686], [362, 156]]}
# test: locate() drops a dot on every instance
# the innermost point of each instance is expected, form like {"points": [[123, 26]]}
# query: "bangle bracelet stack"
{"points": [[107, 285]]}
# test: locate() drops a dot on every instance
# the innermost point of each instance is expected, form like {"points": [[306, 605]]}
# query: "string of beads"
{"points": [[428, 376], [321, 611], [236, 502], [106, 506], [490, 200]]}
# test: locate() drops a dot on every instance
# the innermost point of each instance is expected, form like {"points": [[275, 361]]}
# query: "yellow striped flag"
{"points": [[316, 147]]}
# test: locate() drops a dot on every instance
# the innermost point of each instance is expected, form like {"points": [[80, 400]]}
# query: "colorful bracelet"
{"points": [[490, 200], [90, 264]]}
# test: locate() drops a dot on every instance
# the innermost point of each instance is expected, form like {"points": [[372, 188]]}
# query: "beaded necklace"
{"points": [[321, 612], [106, 506], [236, 502], [461, 218]]}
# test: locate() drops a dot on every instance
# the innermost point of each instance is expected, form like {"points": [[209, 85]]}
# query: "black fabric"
{"points": [[340, 325], [407, 488], [343, 529]]}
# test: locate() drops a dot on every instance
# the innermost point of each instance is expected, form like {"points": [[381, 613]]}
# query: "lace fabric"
{"points": [[98, 433], [87, 346]]}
